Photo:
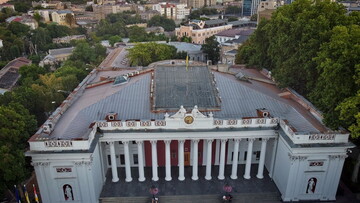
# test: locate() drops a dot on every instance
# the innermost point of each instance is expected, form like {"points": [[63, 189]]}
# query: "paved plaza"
{"points": [[188, 186]]}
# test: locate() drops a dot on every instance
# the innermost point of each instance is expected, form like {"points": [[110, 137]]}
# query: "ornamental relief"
{"points": [[58, 143], [40, 163], [294, 158]]}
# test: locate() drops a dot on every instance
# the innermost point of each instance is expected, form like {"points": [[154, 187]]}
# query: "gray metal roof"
{"points": [[132, 101], [55, 52]]}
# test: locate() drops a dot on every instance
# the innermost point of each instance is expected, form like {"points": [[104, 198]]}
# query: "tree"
{"points": [[211, 49], [235, 10], [114, 39], [336, 62], [70, 19], [37, 17], [18, 29], [145, 53], [16, 126], [167, 24], [83, 52], [29, 74], [186, 39]]}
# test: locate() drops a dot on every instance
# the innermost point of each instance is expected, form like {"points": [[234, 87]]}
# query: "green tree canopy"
{"points": [[162, 21], [16, 126], [212, 49], [145, 53]]}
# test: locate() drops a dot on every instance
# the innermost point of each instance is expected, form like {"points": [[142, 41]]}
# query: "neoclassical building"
{"points": [[166, 118]]}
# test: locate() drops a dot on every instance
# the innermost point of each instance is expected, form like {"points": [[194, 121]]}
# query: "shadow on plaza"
{"points": [[188, 186]]}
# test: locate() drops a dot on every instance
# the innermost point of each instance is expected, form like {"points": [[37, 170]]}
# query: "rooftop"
{"points": [[197, 86], [9, 75], [61, 51]]}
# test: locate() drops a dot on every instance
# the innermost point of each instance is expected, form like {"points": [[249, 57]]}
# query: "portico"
{"points": [[225, 148]]}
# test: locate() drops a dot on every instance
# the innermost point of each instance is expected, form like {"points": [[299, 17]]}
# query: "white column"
{"points": [[115, 177], [222, 160], [167, 160], [208, 159], [127, 161], [217, 152], [195, 160], [260, 173], [141, 160], [273, 158], [248, 159], [181, 160], [154, 160], [235, 159]]}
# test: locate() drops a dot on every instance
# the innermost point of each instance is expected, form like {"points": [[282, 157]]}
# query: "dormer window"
{"points": [[263, 112], [111, 117]]}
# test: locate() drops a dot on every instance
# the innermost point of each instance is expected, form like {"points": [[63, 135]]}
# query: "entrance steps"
{"points": [[238, 198]]}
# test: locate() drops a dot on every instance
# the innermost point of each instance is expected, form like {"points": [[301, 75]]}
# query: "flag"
{"points": [[17, 196], [187, 62], [26, 195], [35, 195]]}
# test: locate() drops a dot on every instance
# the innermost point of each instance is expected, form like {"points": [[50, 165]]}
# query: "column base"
{"points": [[181, 178], [234, 177], [221, 177], [260, 176], [114, 180], [168, 179], [247, 177], [142, 179], [208, 178], [155, 178], [195, 178], [128, 179]]}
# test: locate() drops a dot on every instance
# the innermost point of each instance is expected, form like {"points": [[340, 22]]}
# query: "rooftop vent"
{"points": [[119, 80]]}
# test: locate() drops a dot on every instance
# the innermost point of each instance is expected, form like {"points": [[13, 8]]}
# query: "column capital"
{"points": [[251, 139], [110, 142], [209, 140], [167, 141], [125, 142], [153, 141], [139, 142], [265, 139], [223, 141], [237, 140], [195, 140], [181, 141]]}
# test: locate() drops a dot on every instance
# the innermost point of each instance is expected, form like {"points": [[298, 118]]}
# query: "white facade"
{"points": [[303, 165], [1, 43]]}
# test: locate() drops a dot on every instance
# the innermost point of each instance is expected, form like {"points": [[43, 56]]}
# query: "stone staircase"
{"points": [[238, 198]]}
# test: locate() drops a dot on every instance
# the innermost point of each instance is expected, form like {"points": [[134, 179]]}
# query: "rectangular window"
{"points": [[173, 155], [232, 156], [122, 159], [245, 155], [134, 142], [136, 160], [257, 155], [109, 160]]}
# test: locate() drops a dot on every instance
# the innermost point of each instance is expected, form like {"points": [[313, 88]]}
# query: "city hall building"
{"points": [[172, 124]]}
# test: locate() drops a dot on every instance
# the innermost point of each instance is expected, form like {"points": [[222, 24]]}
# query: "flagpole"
{"points": [[26, 195], [35, 194]]}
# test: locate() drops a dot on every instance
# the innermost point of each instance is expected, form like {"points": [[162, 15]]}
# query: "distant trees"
{"points": [[162, 21], [235, 10], [145, 53], [212, 49], [203, 11]]}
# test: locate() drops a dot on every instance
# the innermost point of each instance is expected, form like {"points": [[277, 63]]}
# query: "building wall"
{"points": [[199, 36]]}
